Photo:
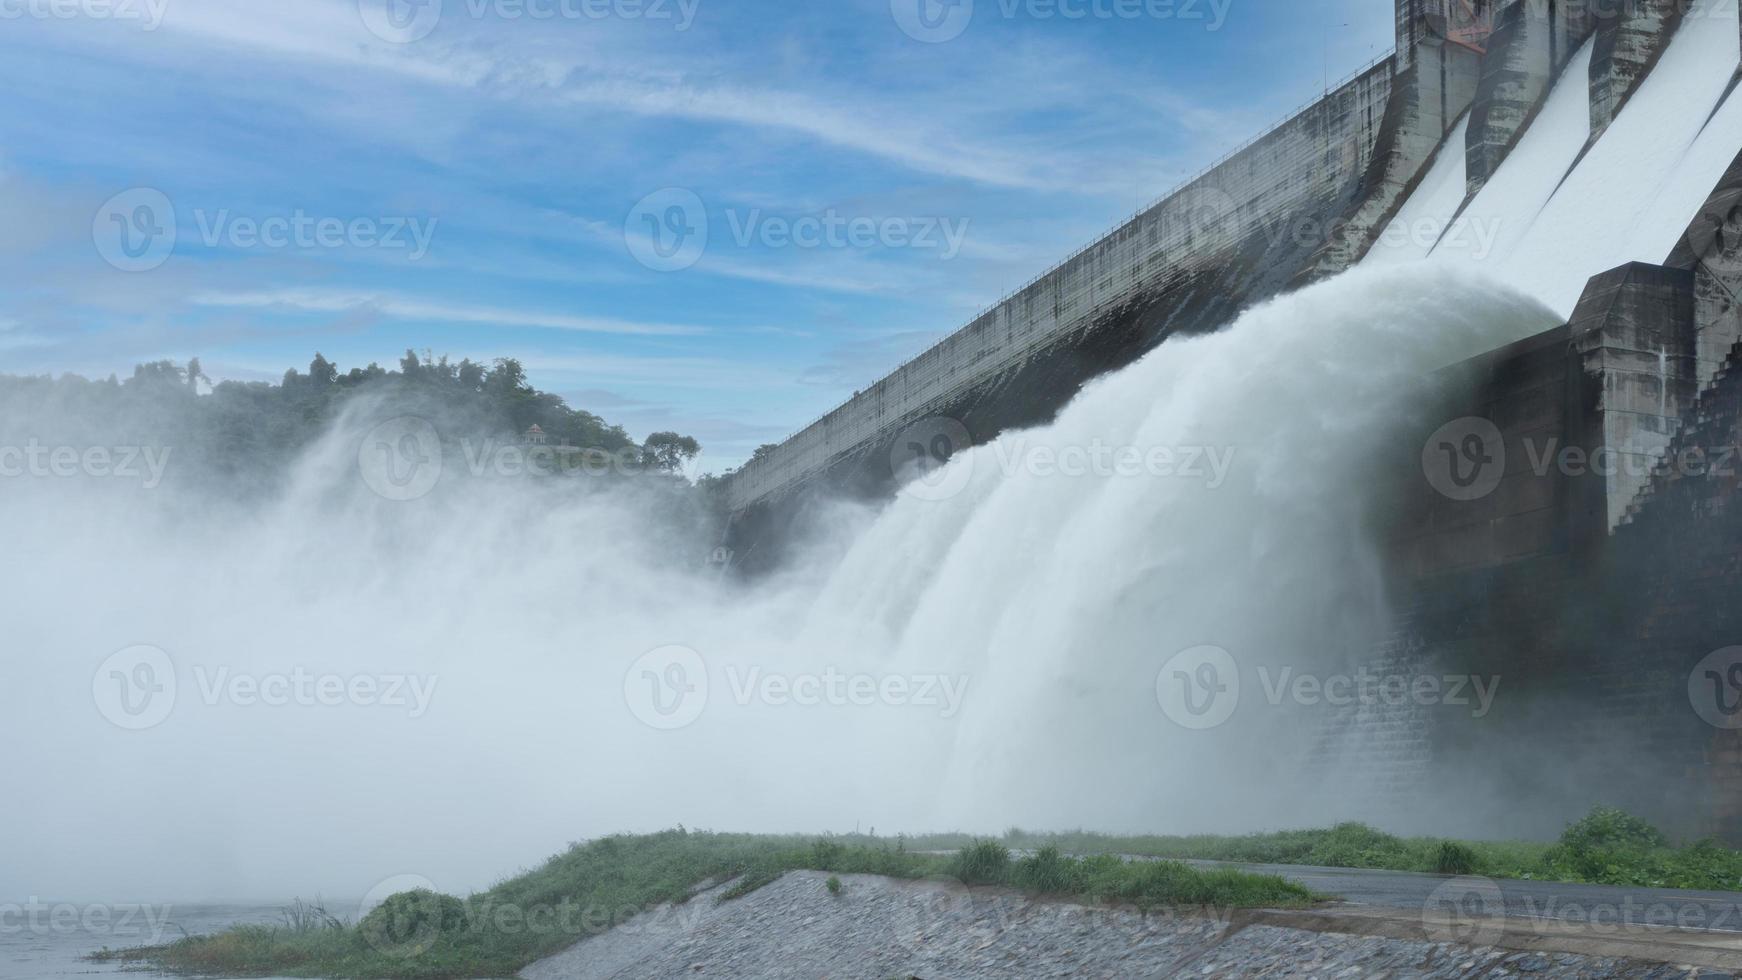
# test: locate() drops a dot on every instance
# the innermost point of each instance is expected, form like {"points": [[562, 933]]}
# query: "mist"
{"points": [[980, 652]]}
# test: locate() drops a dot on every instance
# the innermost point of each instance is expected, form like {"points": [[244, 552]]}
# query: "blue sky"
{"points": [[472, 179]]}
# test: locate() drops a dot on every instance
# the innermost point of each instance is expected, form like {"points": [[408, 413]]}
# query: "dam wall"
{"points": [[1305, 200], [1566, 520], [1289, 183]]}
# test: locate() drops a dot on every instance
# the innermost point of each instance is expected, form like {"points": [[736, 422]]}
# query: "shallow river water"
{"points": [[49, 939]]}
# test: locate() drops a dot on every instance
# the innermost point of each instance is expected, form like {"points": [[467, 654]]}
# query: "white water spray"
{"points": [[1038, 606]]}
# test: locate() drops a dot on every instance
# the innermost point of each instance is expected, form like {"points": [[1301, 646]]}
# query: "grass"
{"points": [[1607, 847], [597, 885]]}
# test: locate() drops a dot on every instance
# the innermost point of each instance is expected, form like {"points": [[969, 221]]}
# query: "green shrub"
{"points": [[1356, 845], [834, 885], [826, 855], [1046, 871], [411, 922], [1611, 828], [1453, 858], [984, 863]]}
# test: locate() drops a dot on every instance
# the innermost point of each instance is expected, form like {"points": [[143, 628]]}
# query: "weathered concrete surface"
{"points": [[1427, 99], [1631, 37], [877, 928], [1516, 76], [1635, 333], [1712, 250]]}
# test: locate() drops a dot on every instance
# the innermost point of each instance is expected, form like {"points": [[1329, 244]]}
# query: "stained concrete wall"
{"points": [[1427, 99], [1631, 36], [1635, 334], [1516, 76], [1712, 251], [1575, 419], [1289, 183]]}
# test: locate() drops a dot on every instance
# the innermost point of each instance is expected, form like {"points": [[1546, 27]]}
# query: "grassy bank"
{"points": [[601, 884], [1607, 847], [595, 886]]}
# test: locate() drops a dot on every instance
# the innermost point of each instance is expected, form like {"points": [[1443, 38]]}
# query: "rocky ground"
{"points": [[877, 928]]}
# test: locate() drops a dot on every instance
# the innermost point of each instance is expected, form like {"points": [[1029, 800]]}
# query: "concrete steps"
{"points": [[1712, 427]]}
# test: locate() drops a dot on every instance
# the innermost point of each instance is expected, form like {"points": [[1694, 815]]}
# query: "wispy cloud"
{"points": [[402, 308]]}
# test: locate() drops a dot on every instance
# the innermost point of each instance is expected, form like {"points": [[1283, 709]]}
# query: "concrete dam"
{"points": [[1564, 514]]}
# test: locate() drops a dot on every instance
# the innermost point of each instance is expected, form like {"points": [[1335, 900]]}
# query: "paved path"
{"points": [[1596, 905]]}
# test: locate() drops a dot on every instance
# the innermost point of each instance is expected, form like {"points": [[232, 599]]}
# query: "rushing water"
{"points": [[982, 651]]}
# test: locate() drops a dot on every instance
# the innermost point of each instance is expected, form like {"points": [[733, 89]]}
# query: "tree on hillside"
{"points": [[668, 451]]}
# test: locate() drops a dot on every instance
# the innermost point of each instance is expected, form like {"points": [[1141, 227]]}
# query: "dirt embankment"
{"points": [[878, 928]]}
